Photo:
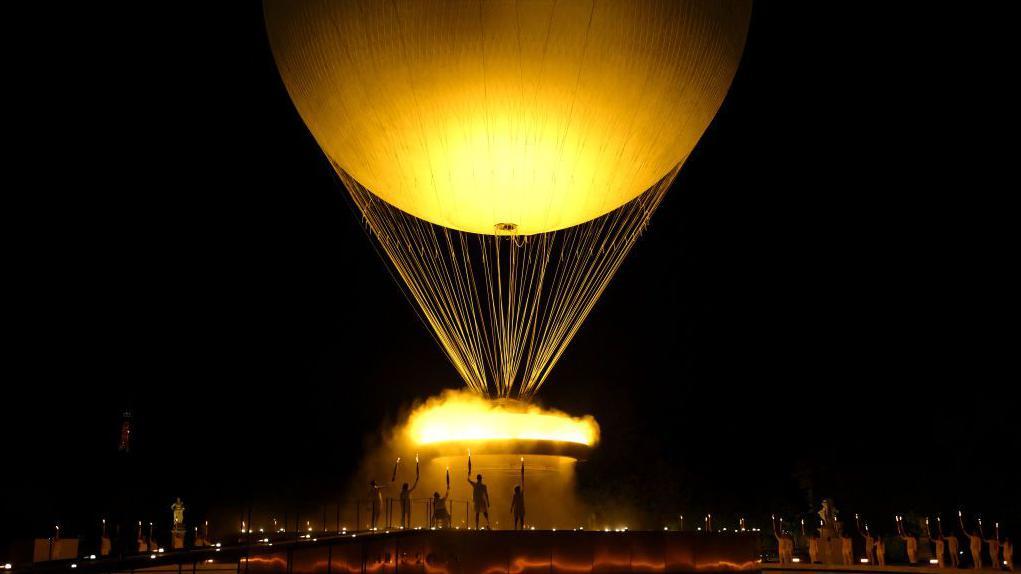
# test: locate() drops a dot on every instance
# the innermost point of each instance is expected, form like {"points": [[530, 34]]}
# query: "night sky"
{"points": [[823, 305]]}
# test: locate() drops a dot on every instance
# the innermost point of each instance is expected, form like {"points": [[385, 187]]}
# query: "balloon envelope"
{"points": [[520, 116]]}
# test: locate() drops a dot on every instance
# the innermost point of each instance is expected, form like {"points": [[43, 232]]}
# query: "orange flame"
{"points": [[460, 416]]}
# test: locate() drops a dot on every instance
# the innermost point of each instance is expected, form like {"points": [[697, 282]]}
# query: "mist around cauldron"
{"points": [[439, 435]]}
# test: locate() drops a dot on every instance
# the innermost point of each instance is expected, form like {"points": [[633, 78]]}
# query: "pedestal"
{"points": [[177, 539], [830, 546]]}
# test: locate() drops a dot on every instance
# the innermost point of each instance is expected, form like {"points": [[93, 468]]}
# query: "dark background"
{"points": [[823, 306]]}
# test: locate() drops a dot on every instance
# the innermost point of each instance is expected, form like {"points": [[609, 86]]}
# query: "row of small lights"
{"points": [[343, 531], [8, 566]]}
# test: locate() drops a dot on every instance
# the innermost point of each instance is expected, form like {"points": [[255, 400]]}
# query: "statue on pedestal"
{"points": [[177, 529], [828, 515], [831, 546], [178, 510]]}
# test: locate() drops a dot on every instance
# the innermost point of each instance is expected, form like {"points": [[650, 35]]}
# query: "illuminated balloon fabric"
{"points": [[531, 116]]}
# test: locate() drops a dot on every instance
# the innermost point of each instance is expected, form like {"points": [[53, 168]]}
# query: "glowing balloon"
{"points": [[507, 116], [506, 155]]}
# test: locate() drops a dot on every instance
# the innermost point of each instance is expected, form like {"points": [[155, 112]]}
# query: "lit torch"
{"points": [[522, 473], [469, 463], [416, 467], [448, 477], [396, 463]]}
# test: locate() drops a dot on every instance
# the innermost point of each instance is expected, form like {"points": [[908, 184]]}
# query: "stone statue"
{"points": [[831, 549], [828, 514], [177, 532], [178, 509]]}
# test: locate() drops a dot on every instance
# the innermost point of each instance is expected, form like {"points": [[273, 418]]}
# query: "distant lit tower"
{"points": [[125, 440]]}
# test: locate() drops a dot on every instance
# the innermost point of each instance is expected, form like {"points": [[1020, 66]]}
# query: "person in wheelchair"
{"points": [[441, 517]]}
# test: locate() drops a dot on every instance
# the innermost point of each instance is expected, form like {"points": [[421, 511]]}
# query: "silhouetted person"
{"points": [[785, 545], [813, 548], [1008, 553], [518, 508], [954, 550], [940, 543], [870, 542], [880, 551], [440, 517], [406, 503], [911, 545], [993, 544], [480, 499], [846, 548], [788, 547], [105, 544], [376, 501], [975, 545]]}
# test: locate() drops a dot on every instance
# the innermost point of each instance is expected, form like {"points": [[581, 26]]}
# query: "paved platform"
{"points": [[450, 552]]}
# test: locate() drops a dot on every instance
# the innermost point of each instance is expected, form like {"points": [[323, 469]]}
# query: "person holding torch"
{"points": [[518, 500], [910, 540], [940, 544], [994, 546], [974, 542], [406, 498], [953, 545], [480, 498]]}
